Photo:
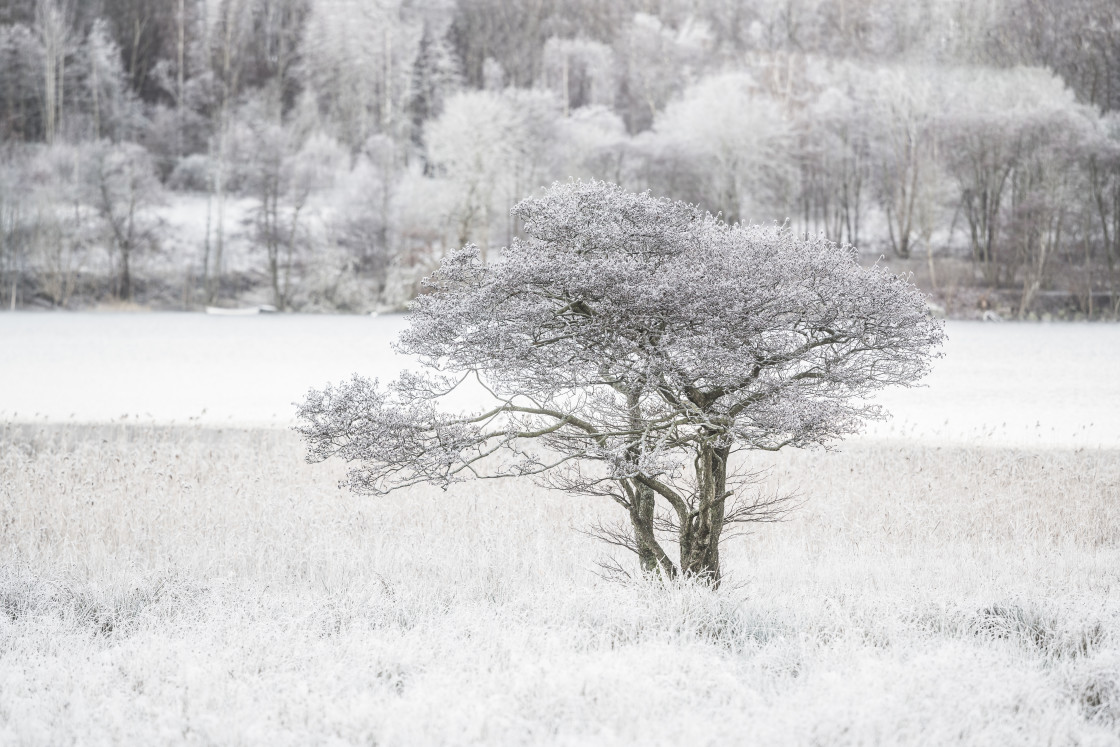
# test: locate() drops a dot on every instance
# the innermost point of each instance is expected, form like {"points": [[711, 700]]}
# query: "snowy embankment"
{"points": [[1001, 384]]}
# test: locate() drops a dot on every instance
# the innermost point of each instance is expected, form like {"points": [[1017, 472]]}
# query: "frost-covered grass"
{"points": [[200, 586]]}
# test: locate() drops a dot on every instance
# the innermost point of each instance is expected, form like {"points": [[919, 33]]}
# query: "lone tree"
{"points": [[631, 346]]}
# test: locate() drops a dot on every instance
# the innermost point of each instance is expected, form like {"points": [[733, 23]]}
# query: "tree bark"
{"points": [[642, 504], [651, 557], [700, 537]]}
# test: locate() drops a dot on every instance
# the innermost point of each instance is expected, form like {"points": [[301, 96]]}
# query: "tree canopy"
{"points": [[631, 346]]}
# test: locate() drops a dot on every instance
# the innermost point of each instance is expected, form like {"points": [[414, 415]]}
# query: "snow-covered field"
{"points": [[1011, 384], [175, 367], [949, 579], [184, 585]]}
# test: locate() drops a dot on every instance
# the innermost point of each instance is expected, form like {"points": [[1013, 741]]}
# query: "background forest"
{"points": [[324, 154]]}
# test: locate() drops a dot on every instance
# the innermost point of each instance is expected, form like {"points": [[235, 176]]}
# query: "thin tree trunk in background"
{"points": [[61, 88], [387, 110], [1113, 248], [130, 234], [219, 195], [206, 249], [567, 95], [180, 79], [96, 98], [1088, 260], [290, 249], [50, 42]]}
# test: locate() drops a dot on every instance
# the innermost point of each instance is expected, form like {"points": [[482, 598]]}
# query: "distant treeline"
{"points": [[341, 147]]}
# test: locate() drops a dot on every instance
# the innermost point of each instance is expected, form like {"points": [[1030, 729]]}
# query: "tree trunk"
{"points": [[180, 78], [700, 536], [642, 504], [126, 276], [651, 556], [271, 233]]}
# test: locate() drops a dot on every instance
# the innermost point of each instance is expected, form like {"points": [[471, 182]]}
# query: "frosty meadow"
{"points": [[189, 585]]}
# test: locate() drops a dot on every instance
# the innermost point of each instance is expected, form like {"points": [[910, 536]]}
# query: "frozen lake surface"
{"points": [[1053, 384]]}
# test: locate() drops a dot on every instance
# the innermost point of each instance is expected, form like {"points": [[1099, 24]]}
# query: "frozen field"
{"points": [[166, 578], [194, 586], [1021, 384]]}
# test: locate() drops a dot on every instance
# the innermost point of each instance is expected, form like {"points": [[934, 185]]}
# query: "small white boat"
{"points": [[247, 311]]}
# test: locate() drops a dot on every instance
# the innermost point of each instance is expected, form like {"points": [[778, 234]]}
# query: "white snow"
{"points": [[1016, 384], [1011, 384], [164, 367]]}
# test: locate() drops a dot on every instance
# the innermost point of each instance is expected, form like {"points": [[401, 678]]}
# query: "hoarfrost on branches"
{"points": [[631, 346]]}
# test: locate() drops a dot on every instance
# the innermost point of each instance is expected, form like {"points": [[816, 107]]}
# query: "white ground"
{"points": [[1009, 384], [196, 585]]}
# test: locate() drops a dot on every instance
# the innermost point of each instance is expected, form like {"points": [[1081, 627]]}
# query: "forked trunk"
{"points": [[699, 526]]}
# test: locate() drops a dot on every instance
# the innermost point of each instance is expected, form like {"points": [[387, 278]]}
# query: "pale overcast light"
{"points": [[559, 372]]}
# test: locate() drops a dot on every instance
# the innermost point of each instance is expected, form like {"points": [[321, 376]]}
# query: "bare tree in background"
{"points": [[125, 187], [283, 171], [907, 101], [738, 136], [60, 220], [834, 156], [631, 347]]}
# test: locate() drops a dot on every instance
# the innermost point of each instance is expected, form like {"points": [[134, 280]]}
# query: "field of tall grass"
{"points": [[202, 586]]}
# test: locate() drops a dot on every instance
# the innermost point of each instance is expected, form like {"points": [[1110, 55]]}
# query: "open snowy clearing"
{"points": [[175, 577], [1010, 384], [188, 585]]}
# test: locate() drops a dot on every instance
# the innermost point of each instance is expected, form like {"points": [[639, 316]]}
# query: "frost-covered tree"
{"points": [[592, 142], [282, 171], [1103, 163], [55, 33], [738, 138], [435, 76], [632, 346], [358, 68], [21, 60], [57, 217], [581, 72], [13, 235], [491, 147], [124, 188], [1009, 138], [905, 157], [833, 152], [656, 63], [109, 102]]}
